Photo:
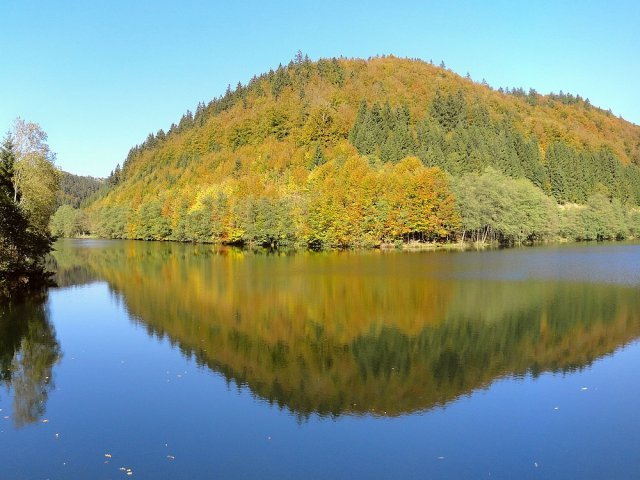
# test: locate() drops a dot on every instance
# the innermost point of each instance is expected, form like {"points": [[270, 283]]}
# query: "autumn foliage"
{"points": [[341, 152]]}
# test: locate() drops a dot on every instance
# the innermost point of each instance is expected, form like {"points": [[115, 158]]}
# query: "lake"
{"points": [[170, 361]]}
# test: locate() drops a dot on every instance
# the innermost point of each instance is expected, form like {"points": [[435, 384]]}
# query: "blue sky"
{"points": [[99, 76]]}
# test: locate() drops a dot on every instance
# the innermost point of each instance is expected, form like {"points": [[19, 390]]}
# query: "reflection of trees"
{"points": [[28, 351], [335, 334], [74, 273]]}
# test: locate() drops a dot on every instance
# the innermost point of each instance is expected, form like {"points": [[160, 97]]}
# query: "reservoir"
{"points": [[171, 361]]}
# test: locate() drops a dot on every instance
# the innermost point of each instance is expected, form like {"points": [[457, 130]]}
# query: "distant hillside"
{"points": [[75, 189], [351, 152]]}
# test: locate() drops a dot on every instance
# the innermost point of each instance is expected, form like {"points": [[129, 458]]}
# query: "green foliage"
{"points": [[318, 157], [494, 207], [268, 222], [600, 219], [332, 71], [7, 165], [449, 110], [22, 247], [462, 138], [574, 176], [68, 222], [150, 223], [383, 132], [28, 187], [75, 189], [111, 221], [38, 182], [281, 80], [633, 222]]}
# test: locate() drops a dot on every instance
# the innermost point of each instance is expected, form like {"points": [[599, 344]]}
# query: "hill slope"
{"points": [[345, 152], [75, 189]]}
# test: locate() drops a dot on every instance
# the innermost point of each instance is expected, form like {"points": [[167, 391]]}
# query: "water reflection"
{"points": [[381, 334], [28, 351]]}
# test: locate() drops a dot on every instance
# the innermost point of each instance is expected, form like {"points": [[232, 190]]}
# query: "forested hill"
{"points": [[75, 189], [351, 152]]}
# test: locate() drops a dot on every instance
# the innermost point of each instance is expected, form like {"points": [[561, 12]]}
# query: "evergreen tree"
{"points": [[449, 110], [355, 136], [558, 170], [318, 157], [7, 165], [280, 81]]}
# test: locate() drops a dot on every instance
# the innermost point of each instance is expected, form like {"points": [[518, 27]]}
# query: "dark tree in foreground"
{"points": [[23, 244], [22, 249]]}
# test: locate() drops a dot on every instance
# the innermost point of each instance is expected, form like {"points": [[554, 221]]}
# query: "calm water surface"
{"points": [[190, 362]]}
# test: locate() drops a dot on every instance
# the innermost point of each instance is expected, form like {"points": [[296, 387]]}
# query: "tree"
{"points": [[22, 248], [449, 110], [29, 185], [68, 222], [115, 176], [151, 224], [498, 208], [7, 164], [39, 183], [318, 157], [36, 180]]}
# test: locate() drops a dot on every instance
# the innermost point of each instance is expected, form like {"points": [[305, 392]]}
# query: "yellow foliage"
{"points": [[266, 145]]}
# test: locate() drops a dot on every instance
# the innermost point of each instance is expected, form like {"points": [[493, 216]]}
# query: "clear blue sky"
{"points": [[99, 76]]}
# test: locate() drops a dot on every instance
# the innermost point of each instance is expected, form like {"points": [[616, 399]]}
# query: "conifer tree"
{"points": [[318, 157], [7, 164]]}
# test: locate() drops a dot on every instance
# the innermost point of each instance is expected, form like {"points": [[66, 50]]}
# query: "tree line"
{"points": [[355, 204], [348, 203]]}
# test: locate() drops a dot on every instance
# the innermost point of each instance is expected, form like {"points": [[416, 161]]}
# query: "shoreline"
{"points": [[413, 246]]}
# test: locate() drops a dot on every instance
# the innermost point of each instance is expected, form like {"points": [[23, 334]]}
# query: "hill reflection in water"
{"points": [[361, 333]]}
